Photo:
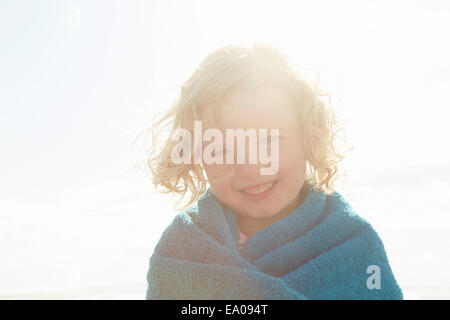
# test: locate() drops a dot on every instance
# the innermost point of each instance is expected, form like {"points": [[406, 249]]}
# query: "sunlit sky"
{"points": [[72, 94], [80, 79]]}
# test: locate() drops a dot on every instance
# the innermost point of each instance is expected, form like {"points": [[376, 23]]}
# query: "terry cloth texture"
{"points": [[322, 250]]}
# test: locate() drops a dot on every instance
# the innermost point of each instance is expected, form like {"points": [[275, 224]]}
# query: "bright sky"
{"points": [[80, 79]]}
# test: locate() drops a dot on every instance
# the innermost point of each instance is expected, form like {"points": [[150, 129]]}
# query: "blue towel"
{"points": [[322, 250]]}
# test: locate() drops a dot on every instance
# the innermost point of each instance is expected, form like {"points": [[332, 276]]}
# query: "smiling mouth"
{"points": [[259, 188]]}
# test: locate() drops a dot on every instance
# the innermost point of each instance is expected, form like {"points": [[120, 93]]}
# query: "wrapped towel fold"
{"points": [[322, 250]]}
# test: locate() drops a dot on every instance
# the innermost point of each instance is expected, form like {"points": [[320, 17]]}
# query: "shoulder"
{"points": [[345, 215], [187, 223], [183, 223], [342, 217], [366, 243], [184, 218], [338, 205]]}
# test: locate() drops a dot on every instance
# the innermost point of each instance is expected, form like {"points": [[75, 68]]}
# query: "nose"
{"points": [[247, 171]]}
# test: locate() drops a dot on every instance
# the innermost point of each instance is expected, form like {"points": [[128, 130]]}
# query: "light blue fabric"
{"points": [[322, 250]]}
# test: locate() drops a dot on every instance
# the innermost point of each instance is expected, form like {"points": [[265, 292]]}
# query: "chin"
{"points": [[262, 214]]}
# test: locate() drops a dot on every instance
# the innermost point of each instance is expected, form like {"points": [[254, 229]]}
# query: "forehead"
{"points": [[259, 108]]}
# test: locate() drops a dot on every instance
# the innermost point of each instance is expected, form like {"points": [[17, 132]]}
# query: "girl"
{"points": [[247, 235]]}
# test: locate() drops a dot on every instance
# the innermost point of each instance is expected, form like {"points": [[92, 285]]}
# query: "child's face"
{"points": [[262, 108]]}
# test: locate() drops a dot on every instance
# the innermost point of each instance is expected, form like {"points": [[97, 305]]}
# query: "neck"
{"points": [[249, 226]]}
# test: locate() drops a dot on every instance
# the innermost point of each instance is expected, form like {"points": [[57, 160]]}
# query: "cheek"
{"points": [[221, 189]]}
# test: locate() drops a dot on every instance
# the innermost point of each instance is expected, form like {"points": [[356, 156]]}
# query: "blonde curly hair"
{"points": [[237, 66]]}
